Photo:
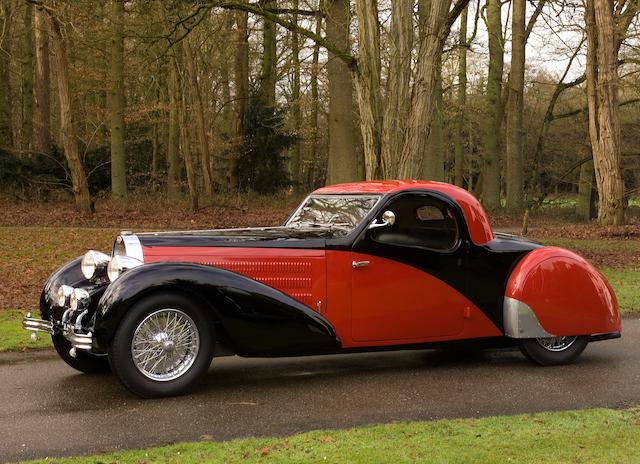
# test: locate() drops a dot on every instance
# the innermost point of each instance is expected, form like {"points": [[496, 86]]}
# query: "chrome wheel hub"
{"points": [[165, 345], [556, 344]]}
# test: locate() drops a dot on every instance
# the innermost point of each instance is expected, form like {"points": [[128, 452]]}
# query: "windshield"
{"points": [[342, 212]]}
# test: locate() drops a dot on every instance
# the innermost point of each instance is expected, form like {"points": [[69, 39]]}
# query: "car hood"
{"points": [[255, 236]]}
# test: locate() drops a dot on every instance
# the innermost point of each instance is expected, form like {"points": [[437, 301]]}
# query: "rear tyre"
{"points": [[162, 346], [84, 362], [553, 351]]}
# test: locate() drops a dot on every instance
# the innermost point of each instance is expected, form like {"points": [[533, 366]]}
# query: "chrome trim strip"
{"points": [[132, 246], [520, 321]]}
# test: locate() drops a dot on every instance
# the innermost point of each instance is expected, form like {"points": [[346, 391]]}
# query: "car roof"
{"points": [[475, 215]]}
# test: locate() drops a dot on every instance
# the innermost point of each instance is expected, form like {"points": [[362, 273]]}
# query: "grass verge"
{"points": [[626, 284], [589, 436], [13, 337], [595, 245]]}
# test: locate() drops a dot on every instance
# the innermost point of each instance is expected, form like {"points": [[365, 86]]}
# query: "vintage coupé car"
{"points": [[356, 267]]}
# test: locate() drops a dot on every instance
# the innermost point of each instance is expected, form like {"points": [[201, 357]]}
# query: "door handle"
{"points": [[359, 264]]}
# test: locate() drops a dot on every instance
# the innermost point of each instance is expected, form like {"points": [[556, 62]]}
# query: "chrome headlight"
{"points": [[94, 263], [119, 264], [79, 298], [64, 294]]}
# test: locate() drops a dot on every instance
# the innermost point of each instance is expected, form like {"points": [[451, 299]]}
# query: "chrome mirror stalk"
{"points": [[388, 219]]}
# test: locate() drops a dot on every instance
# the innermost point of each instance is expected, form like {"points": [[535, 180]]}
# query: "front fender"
{"points": [[555, 292], [258, 320]]}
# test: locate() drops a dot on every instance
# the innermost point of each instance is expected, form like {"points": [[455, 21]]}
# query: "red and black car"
{"points": [[356, 267]]}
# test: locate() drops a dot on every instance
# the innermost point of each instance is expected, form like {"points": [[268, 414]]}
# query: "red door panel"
{"points": [[394, 301]]}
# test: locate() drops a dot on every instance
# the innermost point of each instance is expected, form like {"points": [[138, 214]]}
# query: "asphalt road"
{"points": [[49, 410]]}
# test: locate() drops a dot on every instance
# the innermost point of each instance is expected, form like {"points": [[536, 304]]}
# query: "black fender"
{"points": [[68, 274], [257, 319]]}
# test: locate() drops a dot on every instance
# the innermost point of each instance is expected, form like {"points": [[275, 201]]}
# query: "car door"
{"points": [[408, 278]]}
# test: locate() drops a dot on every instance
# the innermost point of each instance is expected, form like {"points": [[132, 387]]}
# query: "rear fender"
{"points": [[259, 320], [555, 292]]}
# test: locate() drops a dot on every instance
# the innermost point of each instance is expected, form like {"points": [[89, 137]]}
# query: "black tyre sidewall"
{"points": [[84, 362], [543, 357], [120, 349]]}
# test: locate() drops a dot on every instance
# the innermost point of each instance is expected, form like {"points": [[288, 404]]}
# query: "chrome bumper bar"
{"points": [[37, 325], [78, 340]]}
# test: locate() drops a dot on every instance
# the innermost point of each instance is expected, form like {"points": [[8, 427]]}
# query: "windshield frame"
{"points": [[377, 196]]}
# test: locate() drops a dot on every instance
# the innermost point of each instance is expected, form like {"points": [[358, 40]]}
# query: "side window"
{"points": [[421, 221], [429, 213]]}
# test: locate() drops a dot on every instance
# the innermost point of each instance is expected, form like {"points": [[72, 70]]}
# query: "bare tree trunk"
{"points": [[116, 101], [422, 103], [196, 95], [6, 122], [433, 162], [296, 109], [27, 79], [157, 124], [155, 149], [345, 163], [42, 120], [585, 192], [604, 122], [242, 93], [398, 97], [315, 107], [80, 186], [368, 83], [269, 55], [173, 148], [185, 148], [461, 102], [515, 108], [493, 108], [227, 109]]}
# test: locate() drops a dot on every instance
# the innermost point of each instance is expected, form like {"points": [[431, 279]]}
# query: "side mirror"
{"points": [[388, 219]]}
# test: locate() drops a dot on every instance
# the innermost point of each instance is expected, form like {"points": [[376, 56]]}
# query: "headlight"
{"points": [[119, 264], [79, 298], [93, 263], [64, 293]]}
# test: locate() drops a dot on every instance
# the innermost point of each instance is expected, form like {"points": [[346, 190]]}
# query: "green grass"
{"points": [[626, 284], [13, 337], [595, 246], [589, 436], [571, 201]]}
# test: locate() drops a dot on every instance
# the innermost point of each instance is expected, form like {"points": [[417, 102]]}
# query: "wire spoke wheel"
{"points": [[165, 344], [556, 344]]}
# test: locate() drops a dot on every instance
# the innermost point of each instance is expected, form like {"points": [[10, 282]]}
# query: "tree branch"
{"points": [[454, 13], [257, 9], [568, 114], [533, 19]]}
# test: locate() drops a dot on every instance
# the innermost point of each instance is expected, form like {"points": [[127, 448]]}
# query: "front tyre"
{"points": [[84, 362], [553, 351], [163, 345]]}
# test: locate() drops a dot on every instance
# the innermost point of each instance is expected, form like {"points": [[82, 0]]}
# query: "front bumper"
{"points": [[73, 332]]}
